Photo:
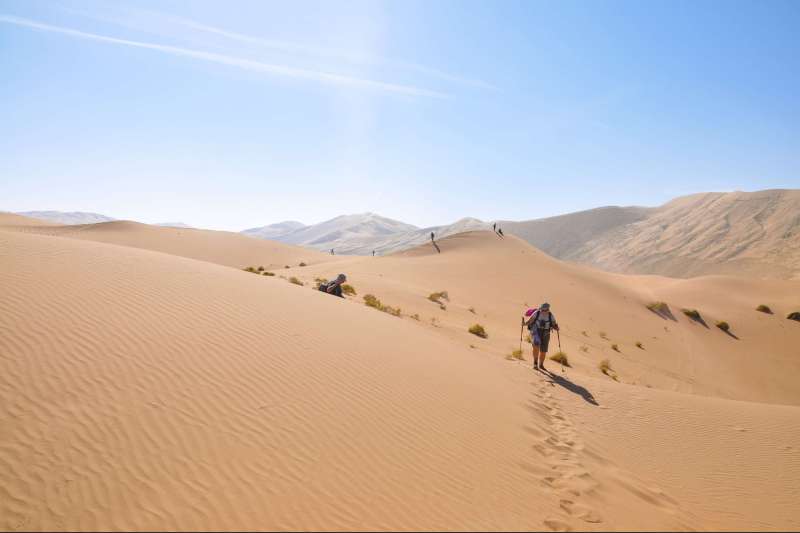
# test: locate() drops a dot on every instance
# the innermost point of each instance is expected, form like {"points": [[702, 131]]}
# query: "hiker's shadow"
{"points": [[437, 247], [580, 390]]}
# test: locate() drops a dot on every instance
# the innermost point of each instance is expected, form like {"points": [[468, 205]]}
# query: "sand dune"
{"points": [[756, 234], [144, 390], [12, 219], [221, 247]]}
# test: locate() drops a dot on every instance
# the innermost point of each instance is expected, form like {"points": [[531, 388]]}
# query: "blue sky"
{"points": [[237, 114]]}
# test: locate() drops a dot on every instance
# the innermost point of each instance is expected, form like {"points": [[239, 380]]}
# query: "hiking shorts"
{"points": [[543, 336]]}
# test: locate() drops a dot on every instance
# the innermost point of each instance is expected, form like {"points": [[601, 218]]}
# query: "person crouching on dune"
{"points": [[334, 287]]}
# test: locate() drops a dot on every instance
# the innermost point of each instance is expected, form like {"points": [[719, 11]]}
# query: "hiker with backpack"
{"points": [[540, 321], [334, 287]]}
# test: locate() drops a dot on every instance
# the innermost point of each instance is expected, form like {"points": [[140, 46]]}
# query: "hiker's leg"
{"points": [[543, 346]]}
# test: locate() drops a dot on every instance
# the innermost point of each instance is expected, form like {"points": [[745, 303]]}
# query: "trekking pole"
{"points": [[521, 327], [558, 334]]}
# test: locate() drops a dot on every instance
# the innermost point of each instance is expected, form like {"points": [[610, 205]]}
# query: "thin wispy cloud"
{"points": [[233, 61], [327, 53]]}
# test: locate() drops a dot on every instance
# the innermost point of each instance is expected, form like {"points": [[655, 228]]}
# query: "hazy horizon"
{"points": [[372, 212], [237, 117]]}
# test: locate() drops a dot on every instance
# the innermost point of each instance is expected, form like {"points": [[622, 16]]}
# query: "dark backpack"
{"points": [[535, 318]]}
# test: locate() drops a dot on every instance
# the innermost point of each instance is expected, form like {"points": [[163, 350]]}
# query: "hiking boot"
{"points": [[535, 366], [541, 366]]}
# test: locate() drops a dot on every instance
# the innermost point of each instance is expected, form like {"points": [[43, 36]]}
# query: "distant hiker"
{"points": [[494, 227], [331, 251], [540, 322], [373, 253], [431, 236], [334, 287]]}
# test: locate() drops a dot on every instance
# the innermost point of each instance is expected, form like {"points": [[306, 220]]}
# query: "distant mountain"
{"points": [[409, 239], [340, 232], [274, 231], [360, 234], [67, 218], [174, 225], [741, 233]]}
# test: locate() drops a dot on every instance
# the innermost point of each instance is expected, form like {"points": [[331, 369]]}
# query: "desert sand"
{"points": [[734, 233], [147, 382]]}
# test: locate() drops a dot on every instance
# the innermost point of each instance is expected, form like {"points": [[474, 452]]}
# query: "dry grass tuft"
{"points": [[615, 347], [477, 329], [639, 345], [794, 316], [517, 354], [560, 357], [658, 307], [764, 309], [348, 289], [437, 296], [694, 314], [724, 326], [295, 281], [372, 301]]}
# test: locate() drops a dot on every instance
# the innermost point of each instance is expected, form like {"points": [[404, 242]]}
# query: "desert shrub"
{"points": [[584, 349], [724, 326], [764, 309], [694, 314], [372, 301], [394, 311], [639, 345], [436, 296], [295, 281], [605, 368], [472, 310], [443, 307], [268, 273], [348, 289], [477, 329], [286, 266], [261, 269], [794, 316], [615, 347], [472, 346], [603, 335], [560, 357], [658, 307], [302, 264], [517, 354], [322, 281], [415, 316], [584, 334], [250, 269]]}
